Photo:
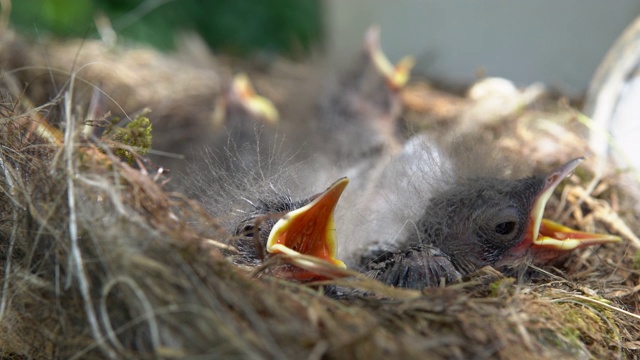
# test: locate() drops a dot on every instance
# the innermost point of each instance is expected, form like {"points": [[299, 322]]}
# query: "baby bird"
{"points": [[361, 114], [281, 225], [480, 221], [244, 122]]}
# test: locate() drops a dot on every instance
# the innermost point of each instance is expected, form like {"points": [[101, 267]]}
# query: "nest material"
{"points": [[100, 260]]}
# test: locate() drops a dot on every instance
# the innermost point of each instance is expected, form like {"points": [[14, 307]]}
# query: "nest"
{"points": [[100, 259]]}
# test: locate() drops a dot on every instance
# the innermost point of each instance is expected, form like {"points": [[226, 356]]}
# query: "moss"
{"points": [[584, 326], [136, 134], [566, 341], [572, 335], [502, 287]]}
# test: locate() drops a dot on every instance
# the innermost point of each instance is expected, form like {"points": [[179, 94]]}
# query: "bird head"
{"points": [[498, 222], [298, 230], [545, 239]]}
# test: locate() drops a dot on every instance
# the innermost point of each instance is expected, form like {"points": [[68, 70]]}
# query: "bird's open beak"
{"points": [[396, 76], [310, 231], [258, 105], [545, 234]]}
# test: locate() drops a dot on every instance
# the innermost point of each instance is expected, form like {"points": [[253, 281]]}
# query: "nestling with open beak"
{"points": [[301, 230], [244, 122], [361, 115], [477, 222]]}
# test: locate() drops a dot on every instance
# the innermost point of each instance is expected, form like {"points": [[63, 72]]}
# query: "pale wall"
{"points": [[558, 42]]}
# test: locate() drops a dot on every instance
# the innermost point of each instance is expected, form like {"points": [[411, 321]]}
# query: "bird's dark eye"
{"points": [[500, 225], [505, 228], [247, 230]]}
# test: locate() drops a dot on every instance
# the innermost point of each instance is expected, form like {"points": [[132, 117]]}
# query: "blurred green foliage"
{"points": [[235, 26]]}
